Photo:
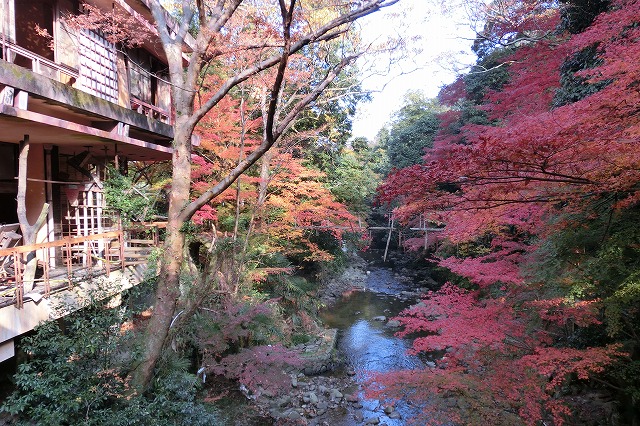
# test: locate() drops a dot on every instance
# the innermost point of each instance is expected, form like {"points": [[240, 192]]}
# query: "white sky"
{"points": [[445, 46]]}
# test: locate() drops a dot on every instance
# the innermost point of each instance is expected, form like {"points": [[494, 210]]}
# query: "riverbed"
{"points": [[367, 344], [372, 295]]}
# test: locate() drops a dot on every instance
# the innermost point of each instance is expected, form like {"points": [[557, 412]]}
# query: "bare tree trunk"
{"points": [[263, 186], [29, 232], [243, 123], [265, 175]]}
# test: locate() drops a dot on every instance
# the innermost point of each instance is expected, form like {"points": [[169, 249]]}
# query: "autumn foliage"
{"points": [[296, 203], [276, 220], [537, 183]]}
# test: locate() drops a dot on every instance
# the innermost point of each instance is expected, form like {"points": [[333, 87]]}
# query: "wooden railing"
{"points": [[44, 66], [38, 63], [89, 255], [150, 111]]}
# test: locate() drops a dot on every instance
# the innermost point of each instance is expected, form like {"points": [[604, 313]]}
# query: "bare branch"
{"points": [[315, 36]]}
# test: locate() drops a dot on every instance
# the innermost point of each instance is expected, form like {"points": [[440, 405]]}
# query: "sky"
{"points": [[443, 49]]}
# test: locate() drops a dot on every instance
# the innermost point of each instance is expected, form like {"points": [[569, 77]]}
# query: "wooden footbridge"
{"points": [[422, 227]]}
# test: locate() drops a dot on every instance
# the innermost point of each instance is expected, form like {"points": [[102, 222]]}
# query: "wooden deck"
{"points": [[63, 262], [101, 265]]}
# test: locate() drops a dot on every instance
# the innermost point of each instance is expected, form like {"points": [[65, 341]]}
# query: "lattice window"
{"points": [[98, 67]]}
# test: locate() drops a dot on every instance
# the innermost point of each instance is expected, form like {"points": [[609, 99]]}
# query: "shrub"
{"points": [[76, 373]]}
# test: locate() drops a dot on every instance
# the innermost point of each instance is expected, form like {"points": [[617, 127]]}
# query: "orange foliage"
{"points": [[298, 205]]}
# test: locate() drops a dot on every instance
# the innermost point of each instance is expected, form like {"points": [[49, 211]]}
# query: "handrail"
{"points": [[8, 46], [59, 243], [106, 259], [66, 244], [137, 105]]}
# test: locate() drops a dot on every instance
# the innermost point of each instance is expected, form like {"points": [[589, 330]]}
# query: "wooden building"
{"points": [[81, 103]]}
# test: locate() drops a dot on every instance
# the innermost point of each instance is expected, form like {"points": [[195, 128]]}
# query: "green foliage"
{"points": [[360, 144], [354, 180], [412, 131], [472, 114], [190, 229], [76, 374], [407, 144], [574, 87], [121, 194], [226, 327], [491, 72], [577, 15], [293, 292], [255, 300], [621, 306], [227, 222], [597, 258], [628, 373], [300, 338]]}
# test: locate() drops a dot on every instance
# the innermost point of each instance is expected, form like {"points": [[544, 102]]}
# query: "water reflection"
{"points": [[366, 343], [368, 348]]}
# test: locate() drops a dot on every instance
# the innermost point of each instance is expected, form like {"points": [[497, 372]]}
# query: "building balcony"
{"points": [[105, 263], [50, 110]]}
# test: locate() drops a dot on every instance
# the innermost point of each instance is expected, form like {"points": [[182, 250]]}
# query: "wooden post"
{"points": [[47, 283], [51, 255], [426, 238], [85, 222], [121, 242], [100, 229], [107, 257], [17, 266], [69, 260], [386, 249]]}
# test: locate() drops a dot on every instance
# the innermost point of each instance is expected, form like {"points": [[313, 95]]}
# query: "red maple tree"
{"points": [[504, 188]]}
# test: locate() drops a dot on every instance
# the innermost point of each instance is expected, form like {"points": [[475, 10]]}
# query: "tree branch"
{"points": [[321, 34], [228, 180]]}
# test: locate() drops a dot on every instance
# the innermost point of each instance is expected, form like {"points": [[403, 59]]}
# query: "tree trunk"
{"points": [[243, 124], [186, 82], [168, 290], [265, 176], [29, 232]]}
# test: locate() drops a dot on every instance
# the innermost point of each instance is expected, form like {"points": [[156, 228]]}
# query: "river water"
{"points": [[367, 344]]}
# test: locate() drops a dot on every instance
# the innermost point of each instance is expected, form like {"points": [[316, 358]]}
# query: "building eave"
{"points": [[77, 100], [49, 130]]}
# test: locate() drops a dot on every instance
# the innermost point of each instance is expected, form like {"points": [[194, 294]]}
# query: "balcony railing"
{"points": [[82, 258], [69, 75], [39, 64], [150, 111]]}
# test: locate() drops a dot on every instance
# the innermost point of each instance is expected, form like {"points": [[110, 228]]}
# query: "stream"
{"points": [[367, 344]]}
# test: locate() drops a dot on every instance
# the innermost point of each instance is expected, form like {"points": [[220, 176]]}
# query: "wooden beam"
{"points": [[80, 128], [55, 181]]}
